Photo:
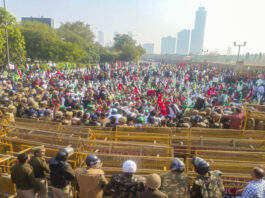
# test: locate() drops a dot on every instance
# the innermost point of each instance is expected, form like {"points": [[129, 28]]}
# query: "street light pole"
{"points": [[239, 47], [7, 46]]}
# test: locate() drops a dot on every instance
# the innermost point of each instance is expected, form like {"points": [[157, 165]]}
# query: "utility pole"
{"points": [[7, 46], [239, 46]]}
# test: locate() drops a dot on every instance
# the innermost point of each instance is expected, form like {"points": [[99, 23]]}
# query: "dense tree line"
{"points": [[71, 42]]}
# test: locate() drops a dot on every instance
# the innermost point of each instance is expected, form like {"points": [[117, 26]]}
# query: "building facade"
{"points": [[168, 45], [197, 35], [101, 38], [149, 48], [183, 42], [48, 21]]}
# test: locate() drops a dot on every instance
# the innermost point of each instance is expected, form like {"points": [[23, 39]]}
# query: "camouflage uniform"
{"points": [[126, 187], [175, 185], [208, 186]]}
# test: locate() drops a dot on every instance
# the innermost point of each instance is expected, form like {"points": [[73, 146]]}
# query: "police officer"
{"points": [[61, 174], [127, 184], [40, 169], [176, 184], [153, 182], [208, 184], [22, 175], [90, 180]]}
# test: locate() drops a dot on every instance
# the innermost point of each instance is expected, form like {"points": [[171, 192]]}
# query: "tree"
{"points": [[41, 41], [127, 48], [107, 55], [122, 39], [77, 32], [16, 41]]}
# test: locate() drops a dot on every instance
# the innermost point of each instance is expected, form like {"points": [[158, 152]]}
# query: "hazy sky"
{"points": [[149, 20]]}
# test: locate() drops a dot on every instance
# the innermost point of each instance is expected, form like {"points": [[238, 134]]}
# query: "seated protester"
{"points": [[94, 121], [114, 114], [139, 121], [75, 119], [123, 121], [103, 120]]}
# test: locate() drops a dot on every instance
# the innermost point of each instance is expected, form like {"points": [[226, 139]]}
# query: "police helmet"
{"points": [[62, 155], [92, 160], [129, 166], [201, 166], [177, 166]]}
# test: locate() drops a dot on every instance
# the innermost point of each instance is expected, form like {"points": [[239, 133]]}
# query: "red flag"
{"points": [[134, 78], [162, 106], [221, 87], [186, 77], [209, 92], [58, 72], [136, 90], [250, 94], [120, 87], [214, 91], [48, 73], [166, 85], [20, 74]]}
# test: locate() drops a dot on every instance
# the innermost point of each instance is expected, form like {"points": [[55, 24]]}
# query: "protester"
{"points": [[142, 95]]}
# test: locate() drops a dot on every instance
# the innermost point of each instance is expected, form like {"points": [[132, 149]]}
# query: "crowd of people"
{"points": [[31, 178], [145, 94]]}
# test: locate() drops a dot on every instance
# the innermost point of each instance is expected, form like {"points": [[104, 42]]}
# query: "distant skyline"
{"points": [[150, 20]]}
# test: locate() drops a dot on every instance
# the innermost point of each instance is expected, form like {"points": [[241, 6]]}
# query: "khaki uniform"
{"points": [[67, 122], [10, 117], [175, 185], [208, 186], [26, 184], [41, 170], [149, 193], [90, 182]]}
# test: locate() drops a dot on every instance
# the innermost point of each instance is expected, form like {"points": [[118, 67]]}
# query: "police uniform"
{"points": [[91, 182], [61, 176], [41, 170], [10, 114], [26, 184], [153, 182], [175, 185], [125, 187], [208, 186]]}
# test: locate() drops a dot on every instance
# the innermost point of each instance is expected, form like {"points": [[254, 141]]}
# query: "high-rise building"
{"points": [[101, 38], [197, 35], [130, 34], [114, 34], [149, 48], [183, 42], [168, 45], [48, 21]]}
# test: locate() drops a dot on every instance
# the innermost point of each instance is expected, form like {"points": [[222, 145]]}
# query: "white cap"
{"points": [[129, 166]]}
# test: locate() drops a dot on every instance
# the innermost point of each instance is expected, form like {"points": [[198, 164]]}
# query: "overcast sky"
{"points": [[149, 20]]}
